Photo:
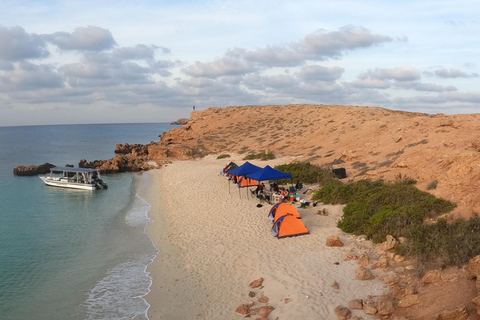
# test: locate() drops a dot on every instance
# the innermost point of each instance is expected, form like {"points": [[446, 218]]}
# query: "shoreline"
{"points": [[212, 242]]}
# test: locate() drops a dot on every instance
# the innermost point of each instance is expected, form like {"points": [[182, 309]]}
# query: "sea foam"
{"points": [[120, 294]]}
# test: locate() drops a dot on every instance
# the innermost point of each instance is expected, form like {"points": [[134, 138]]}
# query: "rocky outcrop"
{"points": [[32, 170], [137, 148], [334, 241], [180, 121]]}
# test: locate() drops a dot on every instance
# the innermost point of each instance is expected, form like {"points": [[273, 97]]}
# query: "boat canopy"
{"points": [[70, 169]]}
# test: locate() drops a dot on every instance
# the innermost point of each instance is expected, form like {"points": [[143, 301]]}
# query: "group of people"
{"points": [[263, 194]]}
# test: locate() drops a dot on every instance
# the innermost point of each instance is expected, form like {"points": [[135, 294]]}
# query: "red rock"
{"points": [[342, 313], [389, 244], [32, 170], [287, 300], [243, 309], [251, 294], [385, 305], [264, 311], [432, 276], [364, 274], [263, 299], [473, 266], [334, 241], [256, 283], [356, 304]]}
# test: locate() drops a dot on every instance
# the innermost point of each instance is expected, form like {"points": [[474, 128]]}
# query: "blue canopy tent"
{"points": [[268, 173], [243, 170]]}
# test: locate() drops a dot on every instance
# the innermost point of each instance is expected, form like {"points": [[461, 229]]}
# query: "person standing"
{"points": [[193, 108]]}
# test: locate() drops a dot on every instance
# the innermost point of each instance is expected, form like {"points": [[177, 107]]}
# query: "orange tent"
{"points": [[288, 226], [246, 182], [281, 209]]}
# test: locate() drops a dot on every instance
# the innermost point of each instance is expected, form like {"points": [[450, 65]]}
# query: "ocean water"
{"points": [[72, 254]]}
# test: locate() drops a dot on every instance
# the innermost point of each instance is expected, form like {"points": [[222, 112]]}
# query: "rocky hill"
{"points": [[442, 152]]}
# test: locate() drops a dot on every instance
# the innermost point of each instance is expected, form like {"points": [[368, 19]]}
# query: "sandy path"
{"points": [[214, 241]]}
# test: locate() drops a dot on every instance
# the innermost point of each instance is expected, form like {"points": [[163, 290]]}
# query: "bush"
{"points": [[223, 156], [262, 156], [377, 209], [307, 173]]}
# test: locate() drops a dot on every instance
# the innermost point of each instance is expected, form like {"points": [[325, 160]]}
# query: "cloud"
{"points": [[271, 56], [27, 76], [397, 74], [89, 38], [320, 73], [420, 86], [219, 67], [323, 44], [454, 73], [17, 45], [370, 83], [317, 46]]}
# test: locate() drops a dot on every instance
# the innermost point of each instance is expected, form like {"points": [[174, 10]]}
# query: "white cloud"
{"points": [[90, 38], [454, 73], [325, 44], [17, 45], [397, 73], [320, 73]]}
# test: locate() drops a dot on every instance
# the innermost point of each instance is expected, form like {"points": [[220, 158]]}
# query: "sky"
{"points": [[65, 62]]}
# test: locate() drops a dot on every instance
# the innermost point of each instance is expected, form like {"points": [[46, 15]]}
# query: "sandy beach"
{"points": [[213, 241]]}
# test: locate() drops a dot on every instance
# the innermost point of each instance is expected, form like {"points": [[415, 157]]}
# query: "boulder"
{"points": [[370, 306], [408, 301], [243, 309], [389, 244], [473, 266], [390, 279], [33, 170], [263, 299], [356, 304], [382, 263], [363, 259], [385, 305], [334, 241], [432, 276], [364, 274], [256, 283], [342, 313], [264, 312]]}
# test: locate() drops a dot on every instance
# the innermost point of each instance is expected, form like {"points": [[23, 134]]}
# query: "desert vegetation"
{"points": [[398, 208]]}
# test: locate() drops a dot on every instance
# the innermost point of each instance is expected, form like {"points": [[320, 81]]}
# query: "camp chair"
{"points": [[292, 189]]}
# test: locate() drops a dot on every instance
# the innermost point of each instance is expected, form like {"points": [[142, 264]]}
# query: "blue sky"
{"points": [[151, 61]]}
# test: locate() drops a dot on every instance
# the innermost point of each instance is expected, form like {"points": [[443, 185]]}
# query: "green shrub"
{"points": [[307, 173], [223, 156], [262, 156]]}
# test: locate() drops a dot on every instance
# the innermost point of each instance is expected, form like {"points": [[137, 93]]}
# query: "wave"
{"points": [[120, 294]]}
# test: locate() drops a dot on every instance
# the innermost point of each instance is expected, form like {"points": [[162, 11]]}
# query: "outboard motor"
{"points": [[99, 184]]}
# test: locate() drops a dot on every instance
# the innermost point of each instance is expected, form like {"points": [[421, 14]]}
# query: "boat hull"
{"points": [[68, 184]]}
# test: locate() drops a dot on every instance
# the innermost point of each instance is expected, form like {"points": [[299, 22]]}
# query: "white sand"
{"points": [[213, 242]]}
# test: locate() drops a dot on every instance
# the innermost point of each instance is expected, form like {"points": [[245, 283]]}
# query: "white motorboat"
{"points": [[76, 178]]}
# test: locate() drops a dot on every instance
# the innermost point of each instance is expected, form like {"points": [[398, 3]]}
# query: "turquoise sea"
{"points": [[72, 254]]}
